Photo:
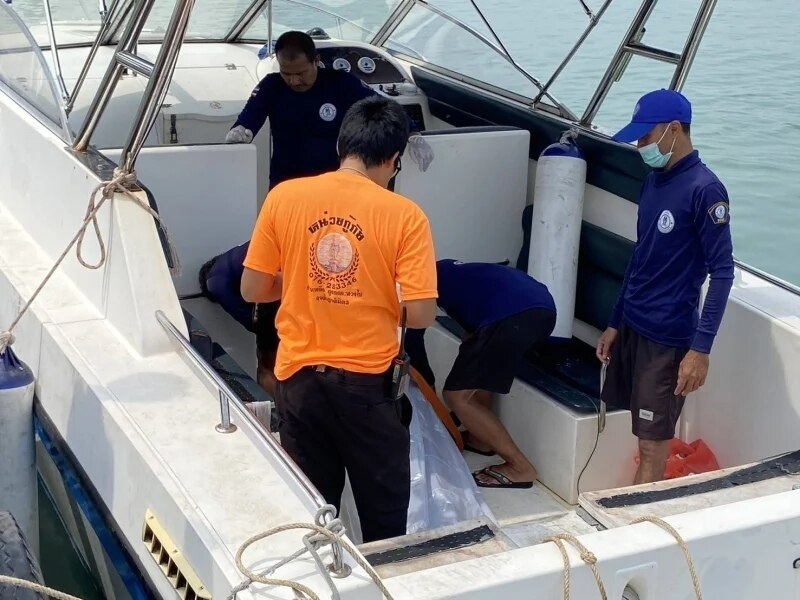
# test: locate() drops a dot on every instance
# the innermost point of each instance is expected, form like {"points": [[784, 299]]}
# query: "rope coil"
{"points": [[321, 535], [108, 189]]}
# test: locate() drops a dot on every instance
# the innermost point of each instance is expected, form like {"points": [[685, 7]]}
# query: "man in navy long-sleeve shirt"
{"points": [[657, 344], [305, 105]]}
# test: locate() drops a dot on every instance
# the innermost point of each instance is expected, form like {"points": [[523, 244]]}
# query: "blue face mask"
{"points": [[652, 156]]}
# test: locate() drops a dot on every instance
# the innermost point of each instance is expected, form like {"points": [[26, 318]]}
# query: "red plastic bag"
{"points": [[689, 459]]}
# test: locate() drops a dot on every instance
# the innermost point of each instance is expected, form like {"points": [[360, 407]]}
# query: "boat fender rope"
{"points": [[35, 587], [108, 189], [322, 534], [684, 548], [586, 556], [590, 559]]}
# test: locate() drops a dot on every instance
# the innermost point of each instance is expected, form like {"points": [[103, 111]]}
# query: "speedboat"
{"points": [[113, 121]]}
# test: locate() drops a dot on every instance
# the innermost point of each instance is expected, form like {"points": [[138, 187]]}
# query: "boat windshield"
{"points": [[214, 19], [78, 21], [74, 21], [353, 20], [24, 71]]}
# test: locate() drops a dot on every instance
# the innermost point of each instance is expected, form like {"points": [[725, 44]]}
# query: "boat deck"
{"points": [[528, 516]]}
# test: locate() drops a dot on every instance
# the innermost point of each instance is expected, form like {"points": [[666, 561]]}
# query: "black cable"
{"points": [[597, 437], [594, 449]]}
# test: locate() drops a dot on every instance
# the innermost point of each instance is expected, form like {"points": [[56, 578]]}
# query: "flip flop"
{"points": [[503, 482], [476, 451]]}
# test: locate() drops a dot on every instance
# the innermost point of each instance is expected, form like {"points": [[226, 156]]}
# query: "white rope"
{"points": [[684, 548], [108, 188], [29, 585], [321, 535]]}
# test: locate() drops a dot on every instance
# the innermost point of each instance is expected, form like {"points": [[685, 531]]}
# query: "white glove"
{"points": [[420, 152], [239, 135]]}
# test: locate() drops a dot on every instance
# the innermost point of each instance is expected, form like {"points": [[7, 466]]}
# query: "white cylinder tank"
{"points": [[556, 227], [18, 486]]}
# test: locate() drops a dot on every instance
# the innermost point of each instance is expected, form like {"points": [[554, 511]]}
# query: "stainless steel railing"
{"points": [[227, 397]]}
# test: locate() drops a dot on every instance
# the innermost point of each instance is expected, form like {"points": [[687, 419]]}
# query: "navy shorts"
{"points": [[642, 376], [490, 357]]}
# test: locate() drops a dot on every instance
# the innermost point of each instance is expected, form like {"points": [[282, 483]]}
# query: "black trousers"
{"points": [[336, 420]]}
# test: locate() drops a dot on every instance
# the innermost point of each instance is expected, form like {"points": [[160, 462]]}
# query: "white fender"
{"points": [[18, 486]]}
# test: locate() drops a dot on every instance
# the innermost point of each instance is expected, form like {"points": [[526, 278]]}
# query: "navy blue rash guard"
{"points": [[224, 281], [684, 236], [479, 294], [305, 125]]}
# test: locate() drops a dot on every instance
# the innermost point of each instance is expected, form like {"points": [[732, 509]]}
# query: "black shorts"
{"points": [[266, 332], [336, 421], [490, 357], [642, 376]]}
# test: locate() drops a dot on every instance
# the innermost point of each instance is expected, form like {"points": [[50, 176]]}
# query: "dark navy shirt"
{"points": [[683, 236], [304, 125], [224, 280], [479, 294]]}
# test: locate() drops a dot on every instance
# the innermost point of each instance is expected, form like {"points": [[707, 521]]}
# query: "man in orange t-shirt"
{"points": [[333, 249]]}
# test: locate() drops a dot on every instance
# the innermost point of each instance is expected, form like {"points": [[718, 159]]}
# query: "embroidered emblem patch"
{"points": [[719, 213], [327, 112], [666, 222]]}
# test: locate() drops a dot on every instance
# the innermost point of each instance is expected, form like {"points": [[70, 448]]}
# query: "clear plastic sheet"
{"points": [[443, 492]]}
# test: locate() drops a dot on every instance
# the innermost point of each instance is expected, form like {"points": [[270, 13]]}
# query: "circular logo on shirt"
{"points": [[666, 222], [327, 112], [334, 253], [720, 212]]}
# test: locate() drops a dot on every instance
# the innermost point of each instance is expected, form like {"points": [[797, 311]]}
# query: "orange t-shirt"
{"points": [[342, 244]]}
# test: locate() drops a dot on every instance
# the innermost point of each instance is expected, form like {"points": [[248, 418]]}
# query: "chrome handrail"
{"points": [[228, 396], [631, 45], [158, 83], [51, 32], [639, 19], [109, 18], [692, 44], [114, 71], [776, 281]]}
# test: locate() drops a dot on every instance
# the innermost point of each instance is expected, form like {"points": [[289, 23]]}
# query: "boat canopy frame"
{"points": [[133, 14]]}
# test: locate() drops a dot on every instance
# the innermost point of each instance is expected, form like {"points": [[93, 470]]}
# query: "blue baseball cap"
{"points": [[660, 106]]}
